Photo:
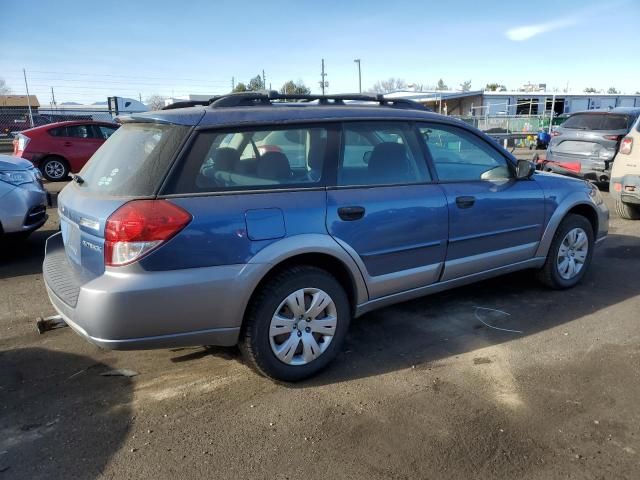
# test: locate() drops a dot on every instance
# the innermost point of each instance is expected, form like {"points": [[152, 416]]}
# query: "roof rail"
{"points": [[244, 99], [186, 103]]}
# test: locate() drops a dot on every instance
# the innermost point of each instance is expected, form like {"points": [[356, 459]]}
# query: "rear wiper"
{"points": [[77, 178]]}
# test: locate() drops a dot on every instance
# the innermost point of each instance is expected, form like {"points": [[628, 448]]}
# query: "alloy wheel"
{"points": [[572, 253]]}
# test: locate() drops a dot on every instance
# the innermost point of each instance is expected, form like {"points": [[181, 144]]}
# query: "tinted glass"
{"points": [[80, 131], [379, 153], [134, 160], [105, 132], [598, 121], [253, 159], [461, 156], [58, 132]]}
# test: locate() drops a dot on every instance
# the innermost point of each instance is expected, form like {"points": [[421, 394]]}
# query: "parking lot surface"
{"points": [[424, 389]]}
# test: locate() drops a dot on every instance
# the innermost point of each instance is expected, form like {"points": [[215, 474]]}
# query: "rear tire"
{"points": [[627, 211], [569, 255], [55, 169], [311, 337]]}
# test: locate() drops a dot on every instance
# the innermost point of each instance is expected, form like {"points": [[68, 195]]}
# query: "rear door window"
{"points": [[248, 159], [380, 153]]}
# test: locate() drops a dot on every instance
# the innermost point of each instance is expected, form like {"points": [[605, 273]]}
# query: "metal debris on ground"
{"points": [[120, 372], [49, 323]]}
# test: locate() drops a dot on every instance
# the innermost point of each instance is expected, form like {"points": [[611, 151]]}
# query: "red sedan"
{"points": [[58, 149]]}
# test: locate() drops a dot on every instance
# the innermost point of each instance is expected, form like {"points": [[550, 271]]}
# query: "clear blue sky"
{"points": [[88, 50]]}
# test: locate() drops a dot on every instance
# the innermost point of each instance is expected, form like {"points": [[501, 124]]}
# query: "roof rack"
{"points": [[248, 99]]}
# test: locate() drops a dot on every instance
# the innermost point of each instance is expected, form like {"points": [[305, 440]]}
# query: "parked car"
{"points": [[585, 145], [625, 175], [183, 231], [23, 200], [58, 149], [11, 123]]}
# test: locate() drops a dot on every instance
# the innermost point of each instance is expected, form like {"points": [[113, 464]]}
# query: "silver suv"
{"points": [[586, 143]]}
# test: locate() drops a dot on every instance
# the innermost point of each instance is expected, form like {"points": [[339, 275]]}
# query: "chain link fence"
{"points": [[13, 121]]}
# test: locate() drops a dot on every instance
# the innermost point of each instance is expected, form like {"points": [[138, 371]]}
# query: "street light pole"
{"points": [[357, 60]]}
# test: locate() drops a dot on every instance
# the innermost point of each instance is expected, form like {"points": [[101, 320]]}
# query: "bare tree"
{"points": [[155, 102], [4, 89], [465, 86], [612, 90], [590, 90], [387, 86]]}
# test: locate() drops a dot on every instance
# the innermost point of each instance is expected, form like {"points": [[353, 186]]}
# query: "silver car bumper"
{"points": [[144, 310], [23, 208]]}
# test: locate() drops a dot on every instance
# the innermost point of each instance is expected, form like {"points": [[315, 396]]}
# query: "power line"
{"points": [[116, 76]]}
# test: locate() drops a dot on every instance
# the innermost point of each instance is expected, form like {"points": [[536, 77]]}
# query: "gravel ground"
{"points": [[421, 390]]}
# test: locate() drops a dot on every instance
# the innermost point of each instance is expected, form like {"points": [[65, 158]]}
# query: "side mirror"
{"points": [[524, 169]]}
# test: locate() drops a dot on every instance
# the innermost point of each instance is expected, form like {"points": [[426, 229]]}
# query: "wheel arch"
{"points": [[315, 250], [574, 204]]}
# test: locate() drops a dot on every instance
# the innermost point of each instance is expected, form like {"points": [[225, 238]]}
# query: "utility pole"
{"points": [[357, 60], [53, 99], [233, 83], [140, 97], [264, 81], [323, 84], [24, 72]]}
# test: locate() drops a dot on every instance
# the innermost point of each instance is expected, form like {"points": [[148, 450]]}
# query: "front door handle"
{"points": [[68, 144], [465, 201], [351, 213]]}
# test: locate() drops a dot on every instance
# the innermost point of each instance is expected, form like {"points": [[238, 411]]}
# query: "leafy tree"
{"points": [[465, 86], [4, 89], [240, 87], [441, 85], [293, 88], [255, 84], [612, 90], [155, 102], [390, 85], [590, 90]]}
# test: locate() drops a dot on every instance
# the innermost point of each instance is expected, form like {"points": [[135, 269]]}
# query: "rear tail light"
{"points": [[139, 227], [613, 138], [617, 187], [626, 145], [20, 143], [555, 133]]}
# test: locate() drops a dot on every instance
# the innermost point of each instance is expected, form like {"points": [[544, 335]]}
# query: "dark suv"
{"points": [[586, 144], [269, 222]]}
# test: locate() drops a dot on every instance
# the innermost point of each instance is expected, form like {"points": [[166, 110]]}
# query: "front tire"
{"points": [[296, 324], [570, 253], [627, 211], [55, 169]]}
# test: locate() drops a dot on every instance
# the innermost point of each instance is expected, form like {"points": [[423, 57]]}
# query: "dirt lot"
{"points": [[421, 390]]}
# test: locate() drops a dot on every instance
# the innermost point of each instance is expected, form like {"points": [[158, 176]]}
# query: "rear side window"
{"points": [[80, 131], [58, 132], [251, 159], [134, 160], [380, 153], [598, 121]]}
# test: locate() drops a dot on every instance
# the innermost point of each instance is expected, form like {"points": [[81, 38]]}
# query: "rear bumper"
{"points": [[131, 310], [590, 168], [626, 188]]}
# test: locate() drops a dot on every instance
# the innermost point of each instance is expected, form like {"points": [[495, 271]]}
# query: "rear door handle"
{"points": [[67, 144], [351, 213], [465, 201]]}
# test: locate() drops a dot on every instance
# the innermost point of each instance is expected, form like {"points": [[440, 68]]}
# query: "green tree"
{"points": [[612, 90], [465, 86], [441, 85], [255, 84], [590, 90], [293, 88], [240, 87], [495, 87]]}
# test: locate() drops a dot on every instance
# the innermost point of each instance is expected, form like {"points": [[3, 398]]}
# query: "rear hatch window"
{"points": [[133, 161], [598, 121]]}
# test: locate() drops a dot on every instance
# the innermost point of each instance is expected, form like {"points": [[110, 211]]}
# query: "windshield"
{"points": [[598, 121], [134, 160]]}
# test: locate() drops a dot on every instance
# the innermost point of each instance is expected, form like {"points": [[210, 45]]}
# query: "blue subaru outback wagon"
{"points": [[270, 221]]}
